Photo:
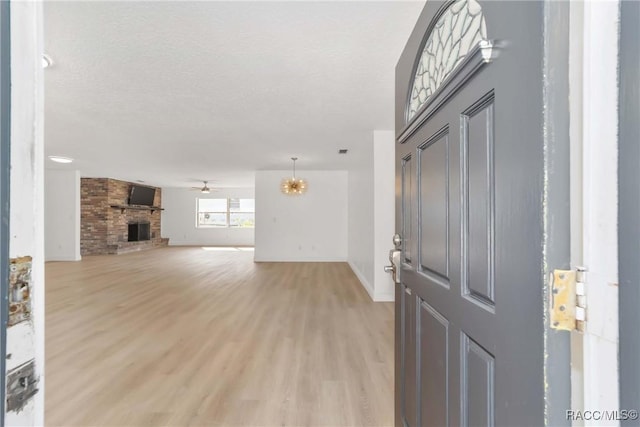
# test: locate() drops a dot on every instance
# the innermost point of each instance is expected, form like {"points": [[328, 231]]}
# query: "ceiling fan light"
{"points": [[205, 189], [60, 159]]}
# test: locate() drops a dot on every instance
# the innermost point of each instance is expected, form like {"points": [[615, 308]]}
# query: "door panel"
{"points": [[478, 207], [434, 349], [478, 398], [434, 191], [470, 167], [409, 362], [407, 208]]}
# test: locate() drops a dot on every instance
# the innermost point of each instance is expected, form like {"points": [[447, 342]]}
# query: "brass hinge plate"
{"points": [[567, 305]]}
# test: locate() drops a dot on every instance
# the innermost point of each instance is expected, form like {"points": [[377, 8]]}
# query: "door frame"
{"points": [[5, 161], [594, 29], [629, 207]]}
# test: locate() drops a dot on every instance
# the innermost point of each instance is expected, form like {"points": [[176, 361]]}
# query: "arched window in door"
{"points": [[456, 32]]}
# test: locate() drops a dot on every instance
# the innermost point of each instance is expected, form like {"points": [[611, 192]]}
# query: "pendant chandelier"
{"points": [[293, 186]]}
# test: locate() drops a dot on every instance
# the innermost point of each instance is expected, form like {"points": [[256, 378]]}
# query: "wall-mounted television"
{"points": [[140, 195]]}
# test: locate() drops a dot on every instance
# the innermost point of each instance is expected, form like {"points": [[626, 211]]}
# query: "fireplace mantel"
{"points": [[137, 208]]}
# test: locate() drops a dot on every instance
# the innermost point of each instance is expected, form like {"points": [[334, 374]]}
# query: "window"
{"points": [[232, 213], [455, 34]]}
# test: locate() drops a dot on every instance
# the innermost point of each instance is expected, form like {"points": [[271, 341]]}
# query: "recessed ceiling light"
{"points": [[59, 159], [46, 61]]}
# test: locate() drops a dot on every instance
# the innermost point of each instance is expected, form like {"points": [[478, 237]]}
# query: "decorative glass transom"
{"points": [[455, 33]]}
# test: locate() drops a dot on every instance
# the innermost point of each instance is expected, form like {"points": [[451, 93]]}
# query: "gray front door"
{"points": [[469, 162]]}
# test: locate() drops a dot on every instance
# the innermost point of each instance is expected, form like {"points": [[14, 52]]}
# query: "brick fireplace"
{"points": [[106, 221]]}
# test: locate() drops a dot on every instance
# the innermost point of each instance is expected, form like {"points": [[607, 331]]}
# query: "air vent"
{"points": [[342, 151]]}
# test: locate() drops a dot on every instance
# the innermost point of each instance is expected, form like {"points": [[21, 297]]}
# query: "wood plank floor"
{"points": [[190, 337]]}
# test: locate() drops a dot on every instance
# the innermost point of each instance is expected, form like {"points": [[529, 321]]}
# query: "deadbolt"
{"points": [[394, 268]]}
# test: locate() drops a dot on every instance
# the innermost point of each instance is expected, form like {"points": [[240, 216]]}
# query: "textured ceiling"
{"points": [[172, 93]]}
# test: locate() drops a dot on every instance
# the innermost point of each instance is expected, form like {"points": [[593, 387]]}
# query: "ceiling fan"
{"points": [[204, 189]]}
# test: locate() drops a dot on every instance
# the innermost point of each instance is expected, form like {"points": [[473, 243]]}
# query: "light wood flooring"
{"points": [[189, 337]]}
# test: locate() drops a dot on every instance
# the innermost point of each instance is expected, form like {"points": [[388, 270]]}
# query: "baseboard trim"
{"points": [[365, 283], [384, 297], [255, 259], [62, 258], [209, 245]]}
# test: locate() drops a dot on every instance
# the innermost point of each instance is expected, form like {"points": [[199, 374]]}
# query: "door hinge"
{"points": [[568, 303]]}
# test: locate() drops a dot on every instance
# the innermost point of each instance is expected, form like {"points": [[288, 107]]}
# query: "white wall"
{"points": [[62, 215], [384, 212], [178, 221], [372, 214], [25, 341], [361, 224], [310, 227]]}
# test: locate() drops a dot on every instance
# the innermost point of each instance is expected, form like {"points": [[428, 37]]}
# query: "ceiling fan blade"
{"points": [[204, 188]]}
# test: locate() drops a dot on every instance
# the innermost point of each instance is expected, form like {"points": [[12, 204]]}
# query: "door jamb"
{"points": [[594, 201]]}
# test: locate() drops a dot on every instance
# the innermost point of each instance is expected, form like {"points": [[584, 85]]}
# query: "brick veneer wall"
{"points": [[103, 226]]}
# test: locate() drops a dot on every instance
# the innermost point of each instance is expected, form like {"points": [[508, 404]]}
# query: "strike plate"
{"points": [[22, 384], [563, 300], [19, 290]]}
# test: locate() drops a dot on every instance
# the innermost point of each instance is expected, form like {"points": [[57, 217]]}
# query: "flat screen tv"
{"points": [[141, 195]]}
